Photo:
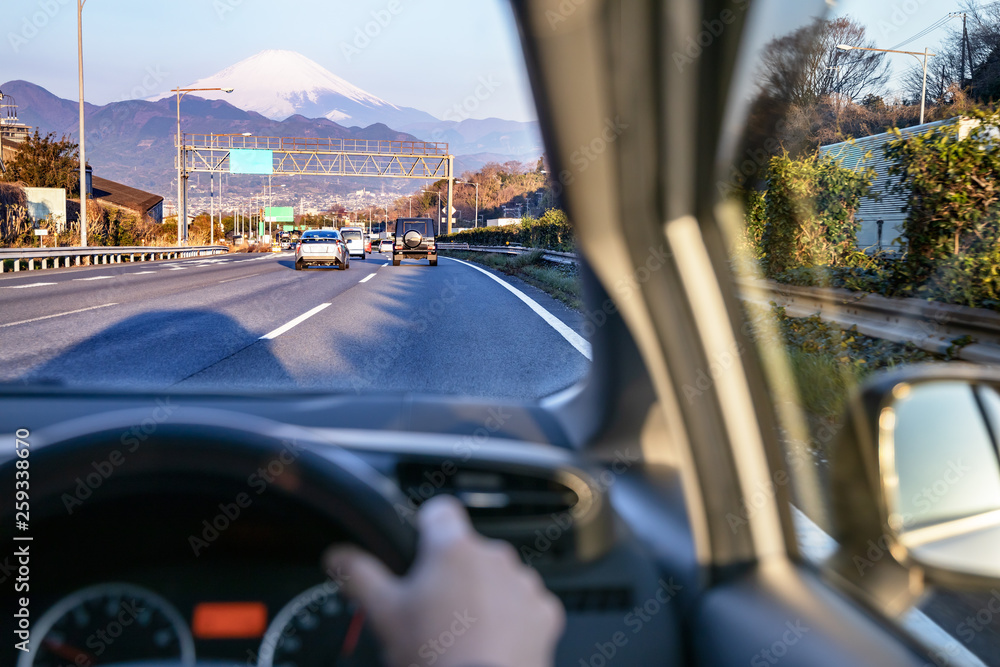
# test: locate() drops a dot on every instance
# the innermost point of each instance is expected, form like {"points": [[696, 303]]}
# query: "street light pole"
{"points": [[476, 220], [182, 230], [916, 54], [83, 143]]}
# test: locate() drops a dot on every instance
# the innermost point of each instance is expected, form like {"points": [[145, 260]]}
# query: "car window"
{"points": [[351, 235], [864, 198], [422, 228]]}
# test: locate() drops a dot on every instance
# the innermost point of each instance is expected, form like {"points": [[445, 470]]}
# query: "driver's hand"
{"points": [[467, 601]]}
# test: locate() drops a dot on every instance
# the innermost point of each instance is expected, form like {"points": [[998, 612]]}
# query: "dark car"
{"points": [[414, 239]]}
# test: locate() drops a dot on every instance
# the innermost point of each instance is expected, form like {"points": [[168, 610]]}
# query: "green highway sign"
{"points": [[279, 214]]}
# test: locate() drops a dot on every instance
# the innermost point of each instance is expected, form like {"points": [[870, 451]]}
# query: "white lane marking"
{"points": [[229, 280], [49, 317], [294, 323], [27, 286], [367, 278], [573, 338], [142, 273], [386, 264], [94, 278]]}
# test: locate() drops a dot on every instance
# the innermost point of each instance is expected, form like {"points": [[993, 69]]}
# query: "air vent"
{"points": [[488, 494], [596, 600], [547, 514]]}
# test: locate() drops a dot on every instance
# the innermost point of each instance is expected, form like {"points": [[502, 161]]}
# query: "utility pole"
{"points": [[83, 142], [965, 50]]}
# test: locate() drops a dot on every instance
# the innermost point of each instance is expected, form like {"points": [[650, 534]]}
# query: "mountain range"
{"points": [[277, 93]]}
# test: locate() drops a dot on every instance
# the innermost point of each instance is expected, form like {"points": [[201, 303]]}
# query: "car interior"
{"points": [[655, 497]]}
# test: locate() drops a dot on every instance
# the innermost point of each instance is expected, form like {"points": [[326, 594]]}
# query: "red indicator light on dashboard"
{"points": [[229, 620]]}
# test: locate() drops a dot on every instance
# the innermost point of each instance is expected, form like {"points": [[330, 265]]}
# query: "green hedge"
{"points": [[552, 232]]}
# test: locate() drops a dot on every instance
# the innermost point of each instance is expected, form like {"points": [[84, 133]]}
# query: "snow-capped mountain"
{"points": [[278, 84]]}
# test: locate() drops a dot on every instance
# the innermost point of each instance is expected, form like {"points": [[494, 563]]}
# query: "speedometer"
{"points": [[109, 624], [318, 629]]}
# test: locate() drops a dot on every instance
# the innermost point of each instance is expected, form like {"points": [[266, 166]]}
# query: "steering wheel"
{"points": [[175, 443]]}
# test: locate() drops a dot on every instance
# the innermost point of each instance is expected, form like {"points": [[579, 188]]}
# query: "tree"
{"points": [[806, 65], [44, 162]]}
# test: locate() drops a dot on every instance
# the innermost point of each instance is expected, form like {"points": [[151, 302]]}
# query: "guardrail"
{"points": [[931, 326], [74, 256], [547, 255]]}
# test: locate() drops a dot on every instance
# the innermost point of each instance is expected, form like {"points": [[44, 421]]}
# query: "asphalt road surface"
{"points": [[251, 322]]}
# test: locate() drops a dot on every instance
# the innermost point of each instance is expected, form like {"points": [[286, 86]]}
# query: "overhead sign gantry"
{"points": [[307, 156]]}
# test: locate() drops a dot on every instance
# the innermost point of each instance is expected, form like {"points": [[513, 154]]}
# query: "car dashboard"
{"points": [[209, 570]]}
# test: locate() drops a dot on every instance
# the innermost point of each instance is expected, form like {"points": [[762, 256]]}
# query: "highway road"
{"points": [[251, 322]]}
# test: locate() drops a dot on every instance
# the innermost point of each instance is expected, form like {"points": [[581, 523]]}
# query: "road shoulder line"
{"points": [[573, 338]]}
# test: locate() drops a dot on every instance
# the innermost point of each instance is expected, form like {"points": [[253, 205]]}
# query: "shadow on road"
{"points": [[155, 350]]}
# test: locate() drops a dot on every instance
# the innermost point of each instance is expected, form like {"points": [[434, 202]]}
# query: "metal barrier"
{"points": [[74, 255], [930, 325]]}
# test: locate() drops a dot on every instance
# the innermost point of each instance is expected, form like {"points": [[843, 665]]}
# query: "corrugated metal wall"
{"points": [[889, 207]]}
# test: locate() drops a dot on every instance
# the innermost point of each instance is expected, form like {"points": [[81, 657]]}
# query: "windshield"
{"points": [[181, 269], [321, 237]]}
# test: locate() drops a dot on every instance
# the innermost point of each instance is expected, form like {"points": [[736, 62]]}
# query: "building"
{"points": [[502, 222], [130, 199], [889, 207]]}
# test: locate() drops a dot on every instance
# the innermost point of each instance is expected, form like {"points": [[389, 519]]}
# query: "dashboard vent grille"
{"points": [[487, 494]]}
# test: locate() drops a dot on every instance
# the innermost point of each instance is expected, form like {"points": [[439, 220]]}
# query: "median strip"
{"points": [[573, 338], [294, 323], [49, 317]]}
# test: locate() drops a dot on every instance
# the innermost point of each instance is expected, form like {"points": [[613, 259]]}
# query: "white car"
{"points": [[321, 246], [355, 239], [385, 245]]}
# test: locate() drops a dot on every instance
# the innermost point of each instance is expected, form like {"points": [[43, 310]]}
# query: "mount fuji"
{"points": [[279, 84]]}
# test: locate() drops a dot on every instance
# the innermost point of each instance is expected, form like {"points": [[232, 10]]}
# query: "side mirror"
{"points": [[936, 430]]}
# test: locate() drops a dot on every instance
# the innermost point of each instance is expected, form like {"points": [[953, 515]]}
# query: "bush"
{"points": [[552, 232], [810, 210], [951, 232]]}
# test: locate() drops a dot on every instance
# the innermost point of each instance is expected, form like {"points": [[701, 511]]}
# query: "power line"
{"points": [[929, 29]]}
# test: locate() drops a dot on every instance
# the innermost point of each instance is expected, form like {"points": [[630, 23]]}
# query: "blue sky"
{"points": [[429, 54]]}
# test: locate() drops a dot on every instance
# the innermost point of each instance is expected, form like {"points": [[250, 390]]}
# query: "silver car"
{"points": [[322, 246]]}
